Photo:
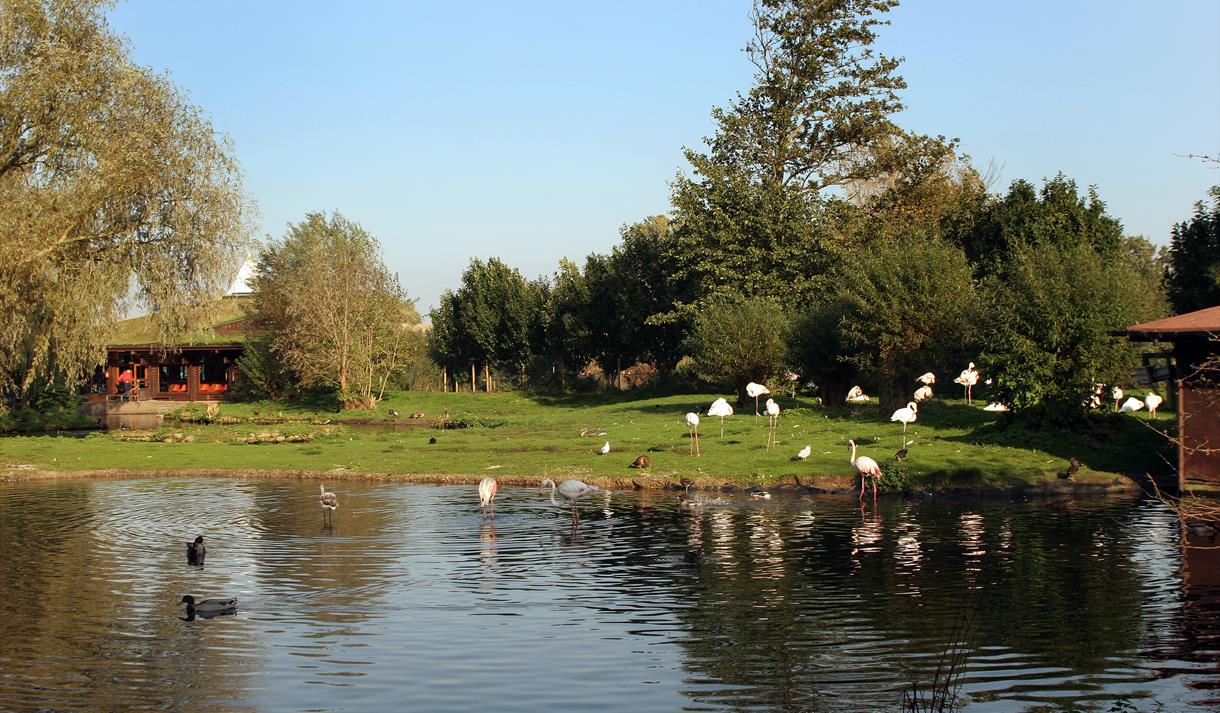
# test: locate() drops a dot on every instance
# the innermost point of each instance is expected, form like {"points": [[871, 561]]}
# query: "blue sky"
{"points": [[532, 131]]}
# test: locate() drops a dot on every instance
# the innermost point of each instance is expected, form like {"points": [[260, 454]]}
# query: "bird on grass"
{"points": [[803, 453], [968, 378], [923, 393], [756, 390], [208, 608], [329, 501], [394, 413], [721, 409], [772, 420], [569, 490], [867, 468], [195, 551], [927, 379], [643, 462], [1153, 402], [487, 496], [432, 441], [902, 452], [1130, 405], [692, 425], [906, 415], [1073, 466], [856, 395], [995, 406], [604, 449], [1117, 394]]}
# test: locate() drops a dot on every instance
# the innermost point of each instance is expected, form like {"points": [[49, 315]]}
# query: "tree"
{"points": [[109, 180], [334, 314], [734, 342], [1192, 275], [908, 306]]}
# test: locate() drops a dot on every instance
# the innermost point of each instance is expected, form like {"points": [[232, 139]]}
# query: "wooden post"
{"points": [[486, 378], [444, 380], [473, 382]]}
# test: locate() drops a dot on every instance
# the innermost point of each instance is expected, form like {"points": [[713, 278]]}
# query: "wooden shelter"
{"points": [[1195, 377], [203, 367]]}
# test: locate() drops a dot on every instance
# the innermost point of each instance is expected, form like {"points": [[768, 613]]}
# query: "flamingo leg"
{"points": [[874, 479], [862, 479], [493, 509]]}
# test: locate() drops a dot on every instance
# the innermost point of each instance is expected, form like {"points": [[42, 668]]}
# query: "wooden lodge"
{"points": [[1194, 372]]}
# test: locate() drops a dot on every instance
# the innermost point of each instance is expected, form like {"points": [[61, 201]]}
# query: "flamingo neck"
{"points": [[553, 501], [853, 452]]}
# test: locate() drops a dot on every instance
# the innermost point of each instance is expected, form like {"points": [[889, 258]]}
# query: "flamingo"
{"points": [[803, 453], [604, 449], [1152, 401], [867, 468], [569, 490], [487, 495], [927, 379], [773, 420], [692, 425], [856, 395], [995, 406], [195, 551], [906, 415], [721, 408], [330, 501], [1116, 394], [923, 393], [756, 390], [1131, 404], [968, 378]]}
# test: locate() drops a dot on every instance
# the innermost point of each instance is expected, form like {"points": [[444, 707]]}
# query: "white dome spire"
{"points": [[241, 283]]}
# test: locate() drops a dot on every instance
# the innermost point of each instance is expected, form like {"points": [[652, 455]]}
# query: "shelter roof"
{"points": [[222, 322], [1204, 321]]}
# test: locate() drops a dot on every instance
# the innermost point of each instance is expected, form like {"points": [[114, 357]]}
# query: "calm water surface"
{"points": [[411, 602]]}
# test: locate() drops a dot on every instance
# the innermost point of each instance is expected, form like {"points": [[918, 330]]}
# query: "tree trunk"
{"points": [[892, 392], [834, 393], [473, 382], [486, 378], [444, 380]]}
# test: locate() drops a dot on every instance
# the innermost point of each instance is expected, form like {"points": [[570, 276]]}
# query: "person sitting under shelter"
{"points": [[125, 381]]}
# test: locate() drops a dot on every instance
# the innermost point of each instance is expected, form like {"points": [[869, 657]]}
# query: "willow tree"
{"points": [[332, 311], [113, 188]]}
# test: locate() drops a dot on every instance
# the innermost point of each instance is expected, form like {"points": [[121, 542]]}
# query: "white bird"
{"points": [[995, 406], [856, 395], [329, 501], [487, 495], [1131, 404], [604, 449], [720, 408], [756, 390], [692, 425], [927, 379], [772, 420], [867, 468], [569, 490], [906, 415], [923, 393], [1116, 394], [1153, 402], [803, 453], [968, 378]]}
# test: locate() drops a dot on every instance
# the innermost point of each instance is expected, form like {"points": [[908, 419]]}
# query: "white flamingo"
{"points": [[927, 379], [906, 415], [756, 390], [329, 501], [968, 378], [772, 420], [856, 395], [720, 408], [1131, 404], [1153, 402], [1116, 394], [487, 495], [995, 406], [692, 425], [923, 393], [867, 468], [569, 490]]}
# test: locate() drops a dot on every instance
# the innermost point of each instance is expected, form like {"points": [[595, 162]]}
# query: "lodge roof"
{"points": [[1204, 321], [224, 322]]}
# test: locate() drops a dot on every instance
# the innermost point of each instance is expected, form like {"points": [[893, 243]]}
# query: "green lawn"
{"points": [[511, 434]]}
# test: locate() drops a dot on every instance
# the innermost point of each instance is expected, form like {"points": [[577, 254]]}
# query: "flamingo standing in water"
{"points": [[867, 468], [330, 501], [487, 495], [692, 425], [569, 490]]}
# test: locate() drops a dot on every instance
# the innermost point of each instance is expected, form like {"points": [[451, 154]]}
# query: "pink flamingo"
{"points": [[867, 468], [330, 501], [487, 495], [569, 490]]}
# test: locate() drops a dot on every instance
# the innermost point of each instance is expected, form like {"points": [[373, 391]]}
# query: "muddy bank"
{"points": [[824, 484]]}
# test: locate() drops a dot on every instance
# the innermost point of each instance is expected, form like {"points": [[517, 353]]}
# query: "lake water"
{"points": [[411, 602]]}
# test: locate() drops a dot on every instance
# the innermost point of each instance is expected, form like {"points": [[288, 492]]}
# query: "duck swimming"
{"points": [[195, 551], [208, 607]]}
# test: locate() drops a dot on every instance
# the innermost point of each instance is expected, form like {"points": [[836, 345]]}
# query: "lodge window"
{"points": [[173, 378], [212, 374]]}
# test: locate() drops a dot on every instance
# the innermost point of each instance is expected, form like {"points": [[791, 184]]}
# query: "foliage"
{"points": [[820, 352], [493, 318], [334, 314], [111, 184], [1192, 275], [263, 374], [736, 342], [908, 305]]}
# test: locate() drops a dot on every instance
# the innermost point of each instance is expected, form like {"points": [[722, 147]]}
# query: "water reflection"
{"points": [[799, 604]]}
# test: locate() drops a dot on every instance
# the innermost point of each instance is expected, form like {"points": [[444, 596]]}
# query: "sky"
{"points": [[532, 131]]}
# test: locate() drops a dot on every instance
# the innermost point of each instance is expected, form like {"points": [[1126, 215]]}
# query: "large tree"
{"points": [[332, 311], [736, 341], [110, 179], [1192, 275]]}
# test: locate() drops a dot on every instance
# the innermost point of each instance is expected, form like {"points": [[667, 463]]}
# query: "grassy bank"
{"points": [[522, 438]]}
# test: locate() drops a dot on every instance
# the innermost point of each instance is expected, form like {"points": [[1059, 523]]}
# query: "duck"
{"points": [[757, 492], [642, 462], [195, 551], [209, 607], [694, 557]]}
